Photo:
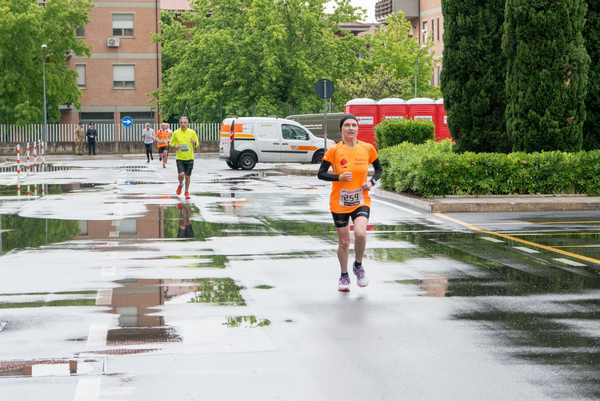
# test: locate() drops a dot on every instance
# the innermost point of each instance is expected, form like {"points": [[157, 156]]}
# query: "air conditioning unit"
{"points": [[113, 42]]}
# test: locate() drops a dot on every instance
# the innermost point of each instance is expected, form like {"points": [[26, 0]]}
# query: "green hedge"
{"points": [[433, 169], [393, 132]]}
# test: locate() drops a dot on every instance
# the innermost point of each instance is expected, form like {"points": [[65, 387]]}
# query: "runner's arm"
{"points": [[377, 173], [324, 174]]}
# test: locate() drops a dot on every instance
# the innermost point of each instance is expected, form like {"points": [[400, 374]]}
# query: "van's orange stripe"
{"points": [[237, 136], [305, 148], [236, 128]]}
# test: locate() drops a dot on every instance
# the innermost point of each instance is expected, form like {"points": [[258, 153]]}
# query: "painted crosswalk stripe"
{"points": [[492, 239], [525, 249], [88, 389], [569, 262]]}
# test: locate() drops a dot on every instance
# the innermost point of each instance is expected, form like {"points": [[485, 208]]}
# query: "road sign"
{"points": [[324, 88], [127, 121]]}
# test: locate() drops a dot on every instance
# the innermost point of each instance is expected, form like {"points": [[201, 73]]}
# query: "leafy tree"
{"points": [[473, 77], [547, 71], [591, 128], [387, 64], [257, 57], [25, 27]]}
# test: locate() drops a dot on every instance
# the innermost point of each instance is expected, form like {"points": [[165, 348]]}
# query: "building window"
{"points": [[80, 31], [80, 69], [122, 24], [432, 30], [438, 29], [424, 32], [123, 76]]}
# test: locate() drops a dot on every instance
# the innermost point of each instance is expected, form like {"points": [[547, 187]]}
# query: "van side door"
{"points": [[268, 141], [297, 145]]}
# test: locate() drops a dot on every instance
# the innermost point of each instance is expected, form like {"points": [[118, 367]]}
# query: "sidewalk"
{"points": [[472, 204]]}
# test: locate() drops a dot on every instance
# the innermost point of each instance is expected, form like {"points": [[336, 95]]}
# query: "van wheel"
{"points": [[232, 165], [318, 156], [247, 161]]}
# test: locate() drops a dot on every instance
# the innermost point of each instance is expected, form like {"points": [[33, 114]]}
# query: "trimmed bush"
{"points": [[547, 74], [433, 169], [394, 132], [474, 94], [591, 129]]}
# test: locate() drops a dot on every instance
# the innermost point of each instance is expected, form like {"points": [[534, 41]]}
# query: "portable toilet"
{"points": [[392, 108], [441, 122], [366, 113], [421, 108]]}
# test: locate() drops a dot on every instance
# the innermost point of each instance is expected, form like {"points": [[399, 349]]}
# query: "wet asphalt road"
{"points": [[111, 288]]}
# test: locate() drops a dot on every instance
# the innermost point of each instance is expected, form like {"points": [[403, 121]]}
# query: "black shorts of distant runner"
{"points": [[341, 219], [185, 167]]}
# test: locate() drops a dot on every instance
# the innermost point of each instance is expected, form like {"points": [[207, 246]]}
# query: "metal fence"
{"points": [[207, 132]]}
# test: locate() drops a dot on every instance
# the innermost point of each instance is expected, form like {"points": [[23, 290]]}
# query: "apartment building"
{"points": [[427, 22], [123, 70]]}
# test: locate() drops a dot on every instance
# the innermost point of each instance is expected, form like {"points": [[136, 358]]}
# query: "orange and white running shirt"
{"points": [[164, 137], [346, 196]]}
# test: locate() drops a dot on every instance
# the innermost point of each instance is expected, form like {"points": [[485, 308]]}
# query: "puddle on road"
{"points": [[47, 299], [135, 302], [248, 322], [50, 367], [196, 261], [264, 287], [45, 189], [547, 333]]}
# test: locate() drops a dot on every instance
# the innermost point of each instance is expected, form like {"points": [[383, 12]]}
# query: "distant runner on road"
{"points": [[350, 160], [148, 138], [163, 137], [185, 141]]}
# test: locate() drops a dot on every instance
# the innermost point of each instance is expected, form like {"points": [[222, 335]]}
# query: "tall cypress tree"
{"points": [[546, 79], [591, 129], [474, 74]]}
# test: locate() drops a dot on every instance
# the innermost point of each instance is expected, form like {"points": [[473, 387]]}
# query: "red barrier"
{"points": [[441, 122], [366, 112]]}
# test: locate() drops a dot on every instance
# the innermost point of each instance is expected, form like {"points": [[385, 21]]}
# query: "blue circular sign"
{"points": [[127, 121]]}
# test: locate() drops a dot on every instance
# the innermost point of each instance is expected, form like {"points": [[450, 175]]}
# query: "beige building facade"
{"points": [[123, 70], [427, 22]]}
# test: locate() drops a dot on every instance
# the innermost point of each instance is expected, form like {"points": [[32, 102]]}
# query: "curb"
{"points": [[495, 204], [476, 204]]}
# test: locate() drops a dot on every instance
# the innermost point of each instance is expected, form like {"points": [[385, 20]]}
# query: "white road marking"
{"points": [[491, 239], [97, 336], [88, 389], [525, 249], [104, 297], [569, 262], [413, 212]]}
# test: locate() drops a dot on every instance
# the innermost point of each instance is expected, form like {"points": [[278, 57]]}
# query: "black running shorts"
{"points": [[341, 219], [185, 167]]}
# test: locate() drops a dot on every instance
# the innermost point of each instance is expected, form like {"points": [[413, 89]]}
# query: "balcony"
{"points": [[385, 7]]}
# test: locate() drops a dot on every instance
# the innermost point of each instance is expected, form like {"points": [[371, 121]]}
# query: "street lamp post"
{"points": [[421, 48], [44, 52]]}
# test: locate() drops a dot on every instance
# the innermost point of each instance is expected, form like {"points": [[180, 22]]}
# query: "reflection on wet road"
{"points": [[114, 289]]}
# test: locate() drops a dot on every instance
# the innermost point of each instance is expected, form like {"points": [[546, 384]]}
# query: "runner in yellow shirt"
{"points": [[350, 198], [185, 141]]}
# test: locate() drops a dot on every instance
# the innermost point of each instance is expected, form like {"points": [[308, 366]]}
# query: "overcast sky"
{"points": [[369, 5]]}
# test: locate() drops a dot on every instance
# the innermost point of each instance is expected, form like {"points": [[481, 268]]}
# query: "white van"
{"points": [[245, 141]]}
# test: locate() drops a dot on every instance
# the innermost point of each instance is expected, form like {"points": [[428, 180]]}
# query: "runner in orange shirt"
{"points": [[163, 137], [350, 198]]}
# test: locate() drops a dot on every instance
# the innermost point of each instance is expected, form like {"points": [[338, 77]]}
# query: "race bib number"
{"points": [[351, 198], [184, 147]]}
